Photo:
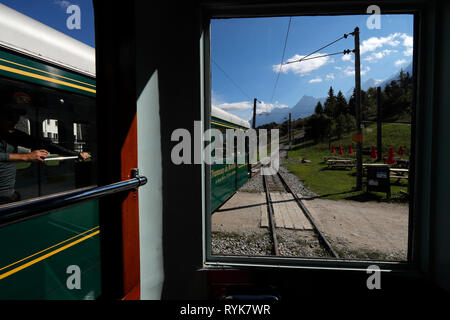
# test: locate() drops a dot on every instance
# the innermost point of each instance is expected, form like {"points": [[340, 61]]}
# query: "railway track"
{"points": [[278, 184], [275, 249]]}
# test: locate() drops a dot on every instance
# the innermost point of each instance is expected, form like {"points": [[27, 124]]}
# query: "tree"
{"points": [[319, 109], [349, 123], [340, 105], [317, 127], [330, 103]]}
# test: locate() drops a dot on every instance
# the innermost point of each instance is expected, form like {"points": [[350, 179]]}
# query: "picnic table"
{"points": [[396, 173], [340, 163], [404, 163], [399, 173]]}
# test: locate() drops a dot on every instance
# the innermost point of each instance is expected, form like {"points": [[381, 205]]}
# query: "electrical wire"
{"points": [[322, 56], [232, 81], [345, 36], [282, 59]]}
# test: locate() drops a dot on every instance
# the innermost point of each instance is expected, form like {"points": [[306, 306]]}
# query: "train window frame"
{"points": [[415, 246]]}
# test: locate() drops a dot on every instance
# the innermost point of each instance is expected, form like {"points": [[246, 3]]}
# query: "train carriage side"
{"points": [[227, 177], [46, 257]]}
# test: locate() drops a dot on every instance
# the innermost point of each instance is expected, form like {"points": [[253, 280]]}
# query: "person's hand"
{"points": [[37, 155], [83, 156]]}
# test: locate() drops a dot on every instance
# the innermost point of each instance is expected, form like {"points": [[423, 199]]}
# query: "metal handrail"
{"points": [[24, 210], [61, 158]]}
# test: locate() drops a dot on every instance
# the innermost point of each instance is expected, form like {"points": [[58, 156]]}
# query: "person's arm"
{"points": [[34, 156], [28, 141]]}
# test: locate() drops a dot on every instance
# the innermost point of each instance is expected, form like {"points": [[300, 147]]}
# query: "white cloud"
{"points": [[62, 3], [304, 67], [350, 71], [374, 43], [267, 107], [346, 57], [408, 52], [315, 80], [400, 62], [372, 58], [393, 40], [408, 41], [243, 105], [330, 76], [247, 105]]}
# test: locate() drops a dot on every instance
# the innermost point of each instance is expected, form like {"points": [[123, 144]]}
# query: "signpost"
{"points": [[378, 179]]}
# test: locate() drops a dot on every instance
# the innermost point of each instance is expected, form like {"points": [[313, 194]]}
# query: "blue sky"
{"points": [[53, 13], [250, 50]]}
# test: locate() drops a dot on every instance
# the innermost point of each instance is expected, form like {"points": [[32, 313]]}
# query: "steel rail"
{"points": [[308, 215], [271, 216], [28, 209]]}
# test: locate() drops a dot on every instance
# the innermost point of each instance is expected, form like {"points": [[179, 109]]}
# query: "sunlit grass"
{"points": [[341, 183]]}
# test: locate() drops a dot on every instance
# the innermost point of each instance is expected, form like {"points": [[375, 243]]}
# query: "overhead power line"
{"points": [[345, 36], [321, 56], [232, 81], [282, 59]]}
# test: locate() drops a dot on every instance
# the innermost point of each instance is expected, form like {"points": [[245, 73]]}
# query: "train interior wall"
{"points": [[155, 72]]}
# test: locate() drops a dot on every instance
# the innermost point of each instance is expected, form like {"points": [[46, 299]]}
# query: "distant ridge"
{"points": [[303, 108], [374, 83], [306, 105]]}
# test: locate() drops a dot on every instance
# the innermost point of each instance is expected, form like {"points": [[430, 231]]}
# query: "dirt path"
{"points": [[363, 230]]}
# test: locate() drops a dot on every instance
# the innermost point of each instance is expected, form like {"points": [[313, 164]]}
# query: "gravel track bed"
{"points": [[274, 184], [291, 243], [241, 244], [295, 184], [255, 184], [296, 243]]}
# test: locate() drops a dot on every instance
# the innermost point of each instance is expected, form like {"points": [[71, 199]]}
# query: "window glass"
{"points": [[345, 155], [58, 124]]}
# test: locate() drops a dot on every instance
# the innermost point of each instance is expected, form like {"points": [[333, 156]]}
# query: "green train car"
{"points": [[226, 179], [52, 78]]}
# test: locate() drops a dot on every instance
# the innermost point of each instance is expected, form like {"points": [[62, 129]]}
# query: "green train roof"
{"points": [[228, 117]]}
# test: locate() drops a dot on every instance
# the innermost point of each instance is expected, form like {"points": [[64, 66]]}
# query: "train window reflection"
{"points": [[50, 130], [47, 141], [80, 132]]}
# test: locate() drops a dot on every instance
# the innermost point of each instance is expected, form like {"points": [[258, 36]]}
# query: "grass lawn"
{"points": [[340, 183]]}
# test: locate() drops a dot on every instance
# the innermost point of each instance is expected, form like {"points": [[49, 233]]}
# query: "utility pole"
{"points": [[359, 137], [254, 127], [290, 130], [379, 127], [254, 113]]}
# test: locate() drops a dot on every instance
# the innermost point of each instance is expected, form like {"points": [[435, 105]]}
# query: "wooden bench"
{"points": [[397, 173], [340, 163], [326, 158]]}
